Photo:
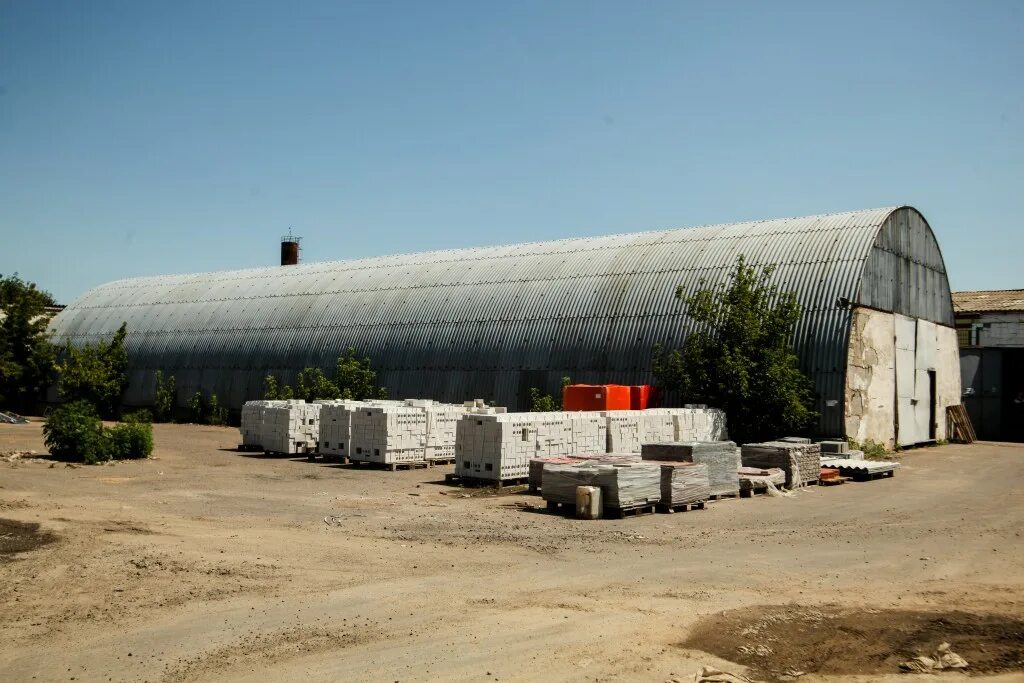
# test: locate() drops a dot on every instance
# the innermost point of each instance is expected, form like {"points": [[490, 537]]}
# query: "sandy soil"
{"points": [[203, 563]]}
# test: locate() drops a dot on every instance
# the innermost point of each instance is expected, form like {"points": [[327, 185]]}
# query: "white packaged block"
{"points": [[500, 446]]}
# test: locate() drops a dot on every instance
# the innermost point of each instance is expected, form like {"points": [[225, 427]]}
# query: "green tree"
{"points": [[355, 377], [27, 358], [96, 373], [166, 395], [740, 359], [271, 389], [313, 385], [197, 408], [546, 403]]}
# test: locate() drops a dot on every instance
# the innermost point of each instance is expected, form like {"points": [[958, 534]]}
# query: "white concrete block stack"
{"points": [[629, 429], [336, 424], [388, 434], [699, 424], [442, 422], [252, 421], [291, 428], [500, 446]]}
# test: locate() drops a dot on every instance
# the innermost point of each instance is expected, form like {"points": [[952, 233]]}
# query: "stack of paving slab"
{"points": [[757, 478], [839, 450], [622, 485], [628, 430], [684, 483], [800, 461], [252, 421], [293, 427], [499, 446], [536, 470], [719, 456]]}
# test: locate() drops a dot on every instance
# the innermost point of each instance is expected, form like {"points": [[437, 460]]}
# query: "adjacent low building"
{"points": [[876, 335], [990, 328]]}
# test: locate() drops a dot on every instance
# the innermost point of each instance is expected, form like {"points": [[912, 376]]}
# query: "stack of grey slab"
{"points": [[839, 450], [536, 472], [757, 478], [794, 439], [622, 485], [719, 456], [684, 482], [800, 461]]}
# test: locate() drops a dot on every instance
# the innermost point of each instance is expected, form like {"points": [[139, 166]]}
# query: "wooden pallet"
{"points": [[249, 448], [607, 512], [751, 491], [835, 481], [722, 496], [664, 508], [476, 482], [391, 466], [328, 457], [629, 511], [862, 475], [959, 424]]}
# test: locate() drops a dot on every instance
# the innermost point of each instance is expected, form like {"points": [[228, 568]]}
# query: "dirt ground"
{"points": [[207, 564]]}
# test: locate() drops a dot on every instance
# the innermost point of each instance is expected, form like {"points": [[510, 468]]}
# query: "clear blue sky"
{"points": [[163, 137]]}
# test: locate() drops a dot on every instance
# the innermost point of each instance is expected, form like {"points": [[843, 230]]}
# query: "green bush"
{"points": [[166, 393], [128, 441], [546, 403], [139, 416], [74, 432], [215, 414]]}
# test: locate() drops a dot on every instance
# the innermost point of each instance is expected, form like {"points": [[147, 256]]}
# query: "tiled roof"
{"points": [[992, 300]]}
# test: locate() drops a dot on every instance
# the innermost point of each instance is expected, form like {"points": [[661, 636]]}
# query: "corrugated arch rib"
{"points": [[450, 324]]}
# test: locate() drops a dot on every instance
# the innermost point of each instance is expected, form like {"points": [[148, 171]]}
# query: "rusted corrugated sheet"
{"points": [[492, 322]]}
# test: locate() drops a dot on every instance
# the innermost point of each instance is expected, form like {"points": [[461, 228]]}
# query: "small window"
{"points": [[310, 420], [341, 444], [359, 451], [325, 444], [489, 466], [526, 434], [376, 451], [466, 465]]}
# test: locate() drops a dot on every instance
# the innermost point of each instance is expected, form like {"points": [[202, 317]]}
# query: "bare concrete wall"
{"points": [[870, 398], [947, 375], [870, 410]]}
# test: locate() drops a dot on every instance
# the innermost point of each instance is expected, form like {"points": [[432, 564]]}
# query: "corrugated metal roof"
{"points": [[491, 322], [989, 301]]}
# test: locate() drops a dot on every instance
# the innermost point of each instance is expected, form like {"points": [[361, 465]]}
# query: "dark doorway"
{"points": [[931, 405]]}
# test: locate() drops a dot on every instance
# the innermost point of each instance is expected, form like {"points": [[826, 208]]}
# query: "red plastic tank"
{"points": [[596, 397]]}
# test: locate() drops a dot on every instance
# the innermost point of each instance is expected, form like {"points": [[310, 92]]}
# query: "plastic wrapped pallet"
{"points": [[499, 446], [719, 456], [800, 461], [293, 427], [622, 485], [684, 482], [756, 478], [833, 447], [536, 470]]}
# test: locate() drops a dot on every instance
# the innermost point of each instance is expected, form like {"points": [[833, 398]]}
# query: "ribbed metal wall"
{"points": [[493, 322]]}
